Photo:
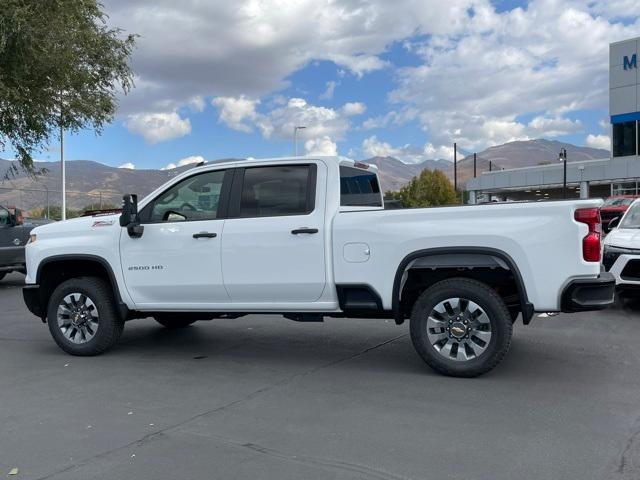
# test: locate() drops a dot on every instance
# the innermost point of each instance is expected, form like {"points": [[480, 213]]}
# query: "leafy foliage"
{"points": [[429, 189], [60, 67]]}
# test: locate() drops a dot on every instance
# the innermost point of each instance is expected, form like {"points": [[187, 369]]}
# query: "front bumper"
{"points": [[584, 294], [33, 301]]}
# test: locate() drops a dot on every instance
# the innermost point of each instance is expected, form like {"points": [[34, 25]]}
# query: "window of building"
{"points": [[359, 188], [277, 190], [624, 139], [194, 198]]}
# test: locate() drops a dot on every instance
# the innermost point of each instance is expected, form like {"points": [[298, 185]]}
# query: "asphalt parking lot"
{"points": [[266, 398]]}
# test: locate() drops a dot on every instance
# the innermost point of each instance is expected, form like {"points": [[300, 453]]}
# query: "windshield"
{"points": [[632, 218], [617, 202]]}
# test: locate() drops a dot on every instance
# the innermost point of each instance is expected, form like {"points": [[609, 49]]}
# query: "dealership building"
{"points": [[617, 175]]}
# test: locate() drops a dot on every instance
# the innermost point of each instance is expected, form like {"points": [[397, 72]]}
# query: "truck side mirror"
{"points": [[613, 223], [129, 216]]}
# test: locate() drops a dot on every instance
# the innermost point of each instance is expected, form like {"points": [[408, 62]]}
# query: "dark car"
{"points": [[615, 207], [14, 235]]}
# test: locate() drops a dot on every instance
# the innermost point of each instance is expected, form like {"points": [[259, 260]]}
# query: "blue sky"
{"points": [[404, 78]]}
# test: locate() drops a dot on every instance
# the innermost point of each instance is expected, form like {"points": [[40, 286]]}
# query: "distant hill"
{"points": [[394, 173], [97, 181]]}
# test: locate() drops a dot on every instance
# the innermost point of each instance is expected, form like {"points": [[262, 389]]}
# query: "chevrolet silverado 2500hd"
{"points": [[309, 238]]}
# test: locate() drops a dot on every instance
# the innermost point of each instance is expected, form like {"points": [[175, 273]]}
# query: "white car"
{"points": [[309, 238], [621, 251]]}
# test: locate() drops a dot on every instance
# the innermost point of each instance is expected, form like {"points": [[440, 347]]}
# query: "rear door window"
{"points": [[359, 188], [277, 190]]}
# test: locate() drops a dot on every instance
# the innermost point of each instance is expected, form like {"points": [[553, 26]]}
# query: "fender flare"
{"points": [[123, 309], [526, 307]]}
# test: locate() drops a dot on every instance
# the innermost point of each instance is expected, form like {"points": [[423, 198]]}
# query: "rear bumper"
{"points": [[31, 295], [583, 294]]}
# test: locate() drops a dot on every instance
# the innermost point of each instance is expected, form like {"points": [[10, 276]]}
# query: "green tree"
{"points": [[55, 212], [429, 189], [61, 65]]}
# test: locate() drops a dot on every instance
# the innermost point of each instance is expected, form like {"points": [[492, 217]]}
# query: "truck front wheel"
{"points": [[82, 317], [461, 327]]}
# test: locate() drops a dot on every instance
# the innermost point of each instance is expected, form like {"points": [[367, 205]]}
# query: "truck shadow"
{"points": [[278, 344]]}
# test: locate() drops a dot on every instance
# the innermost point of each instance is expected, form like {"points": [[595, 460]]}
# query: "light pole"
{"points": [[563, 158], [64, 176], [455, 167], [295, 140]]}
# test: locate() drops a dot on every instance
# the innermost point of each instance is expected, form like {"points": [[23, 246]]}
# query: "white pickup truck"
{"points": [[309, 238]]}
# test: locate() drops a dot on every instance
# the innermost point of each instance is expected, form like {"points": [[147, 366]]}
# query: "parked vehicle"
{"points": [[621, 251], [615, 207], [309, 238], [14, 235]]}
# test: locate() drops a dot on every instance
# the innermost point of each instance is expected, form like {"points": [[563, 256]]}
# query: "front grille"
{"points": [[631, 271]]}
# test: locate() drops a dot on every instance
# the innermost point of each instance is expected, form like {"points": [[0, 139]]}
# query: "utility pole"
{"points": [[455, 167], [64, 177], [563, 159], [474, 165], [295, 140]]}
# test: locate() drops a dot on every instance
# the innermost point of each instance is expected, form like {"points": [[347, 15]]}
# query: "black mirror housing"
{"points": [[129, 216]]}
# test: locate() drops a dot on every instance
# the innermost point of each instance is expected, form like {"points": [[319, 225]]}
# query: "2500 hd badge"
{"points": [[146, 267]]}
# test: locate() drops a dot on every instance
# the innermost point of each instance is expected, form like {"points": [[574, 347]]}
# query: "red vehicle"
{"points": [[615, 207]]}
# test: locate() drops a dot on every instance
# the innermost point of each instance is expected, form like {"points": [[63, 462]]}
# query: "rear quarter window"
{"points": [[359, 188]]}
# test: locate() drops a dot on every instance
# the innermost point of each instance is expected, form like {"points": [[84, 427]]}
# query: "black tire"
{"points": [[2, 275], [487, 299], [172, 321], [110, 324]]}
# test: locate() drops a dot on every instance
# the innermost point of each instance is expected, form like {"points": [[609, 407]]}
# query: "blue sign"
{"points": [[630, 63]]}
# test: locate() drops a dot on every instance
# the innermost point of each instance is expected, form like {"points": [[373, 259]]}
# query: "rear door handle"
{"points": [[298, 231], [205, 235]]}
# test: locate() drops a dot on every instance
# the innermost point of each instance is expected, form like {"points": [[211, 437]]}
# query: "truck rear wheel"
{"points": [[461, 327], [82, 317], [2, 275], [173, 322]]}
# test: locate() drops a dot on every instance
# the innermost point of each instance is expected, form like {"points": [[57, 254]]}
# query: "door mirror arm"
{"points": [[129, 216]]}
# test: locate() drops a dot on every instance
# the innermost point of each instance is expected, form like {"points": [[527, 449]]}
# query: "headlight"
{"points": [[610, 254], [32, 238], [621, 250]]}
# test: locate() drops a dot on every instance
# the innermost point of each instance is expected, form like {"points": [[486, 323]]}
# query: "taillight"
{"points": [[590, 243]]}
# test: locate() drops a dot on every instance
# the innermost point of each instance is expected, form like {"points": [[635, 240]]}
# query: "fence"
{"points": [[46, 203]]}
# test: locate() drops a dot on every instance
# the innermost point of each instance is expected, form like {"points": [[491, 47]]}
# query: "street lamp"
{"points": [[295, 140], [563, 158]]}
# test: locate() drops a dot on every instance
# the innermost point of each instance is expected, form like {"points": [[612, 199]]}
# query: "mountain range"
{"points": [[90, 182]]}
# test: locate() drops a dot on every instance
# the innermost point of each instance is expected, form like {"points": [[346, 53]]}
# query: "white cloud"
{"points": [[321, 146], [471, 87], [236, 112], [393, 117], [197, 103], [184, 161], [328, 93], [249, 47], [599, 141], [128, 166], [353, 108], [158, 127], [479, 73], [319, 121]]}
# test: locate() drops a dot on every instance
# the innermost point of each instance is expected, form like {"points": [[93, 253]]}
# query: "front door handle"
{"points": [[205, 235], [298, 231]]}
